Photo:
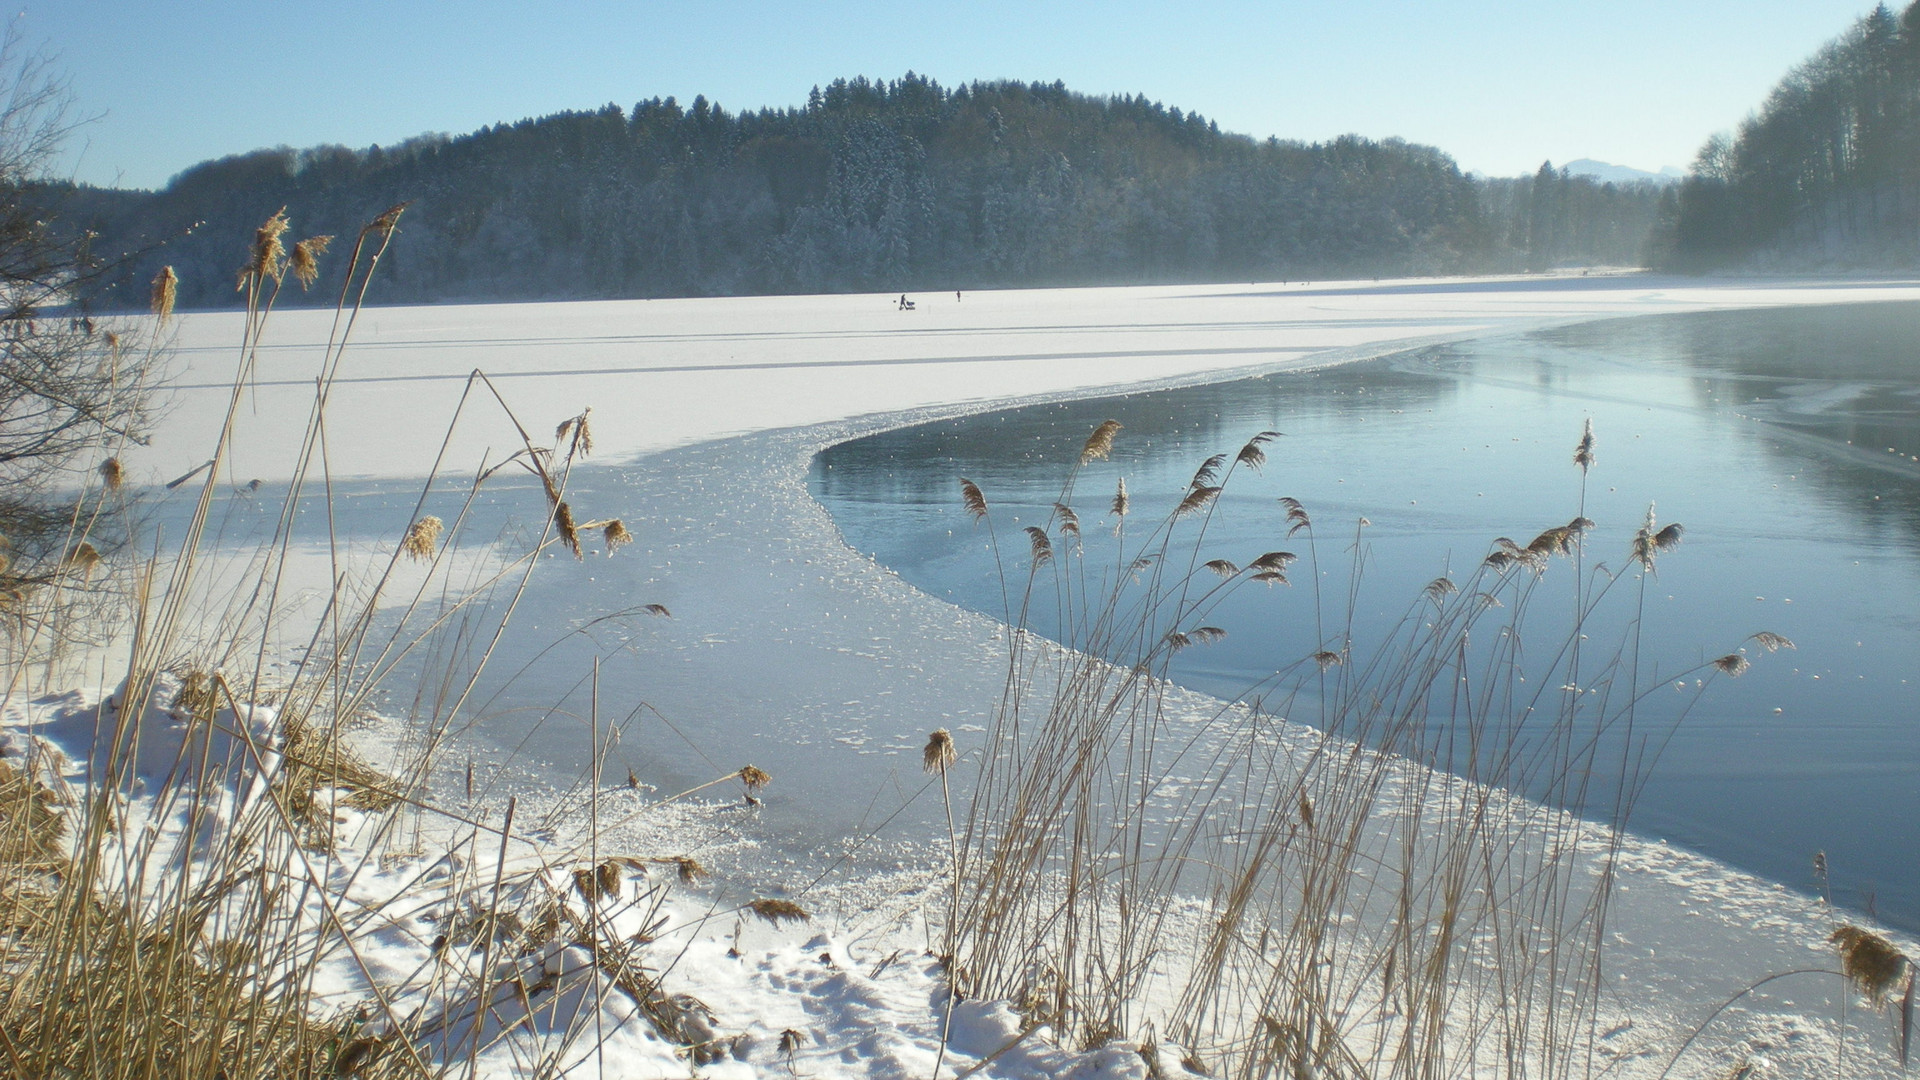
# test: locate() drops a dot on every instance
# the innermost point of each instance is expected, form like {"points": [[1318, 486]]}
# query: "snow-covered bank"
{"points": [[792, 651]]}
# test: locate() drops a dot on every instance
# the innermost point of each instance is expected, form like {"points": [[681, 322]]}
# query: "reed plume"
{"points": [[1199, 635], [1100, 443], [1583, 453], [1121, 504], [166, 286], [616, 535], [972, 499], [423, 538], [580, 429], [305, 262], [1297, 518], [939, 754], [1069, 521], [1208, 473], [384, 225], [1041, 546], [755, 778], [1869, 961], [1649, 541], [1196, 499], [112, 473], [1252, 455], [569, 532], [1273, 560], [84, 557], [268, 258], [1732, 665], [1771, 641]]}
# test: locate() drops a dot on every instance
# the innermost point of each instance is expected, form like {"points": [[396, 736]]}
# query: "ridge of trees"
{"points": [[1826, 172], [891, 186]]}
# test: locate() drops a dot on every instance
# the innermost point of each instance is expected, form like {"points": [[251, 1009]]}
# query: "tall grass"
{"points": [[1390, 859], [198, 902]]}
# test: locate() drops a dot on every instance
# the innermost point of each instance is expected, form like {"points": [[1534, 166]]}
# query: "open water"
{"points": [[1786, 441]]}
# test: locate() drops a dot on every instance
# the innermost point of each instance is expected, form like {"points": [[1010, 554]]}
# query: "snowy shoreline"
{"points": [[1687, 933]]}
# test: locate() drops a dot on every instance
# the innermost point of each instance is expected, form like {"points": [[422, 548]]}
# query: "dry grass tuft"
{"points": [[33, 831], [423, 538], [319, 773], [593, 883], [776, 912], [91, 986], [196, 696], [1869, 961]]}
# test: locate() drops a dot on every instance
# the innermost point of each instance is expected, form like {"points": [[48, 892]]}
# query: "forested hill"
{"points": [[891, 186], [1827, 173]]}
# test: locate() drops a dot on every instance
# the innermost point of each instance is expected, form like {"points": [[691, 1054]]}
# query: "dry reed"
{"points": [[166, 288], [1358, 915], [1869, 961]]}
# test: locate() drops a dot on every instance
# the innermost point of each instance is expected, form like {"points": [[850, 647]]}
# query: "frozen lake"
{"points": [[805, 656], [1784, 440], [793, 651]]}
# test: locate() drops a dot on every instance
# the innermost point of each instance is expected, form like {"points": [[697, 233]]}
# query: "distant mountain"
{"points": [[1608, 173]]}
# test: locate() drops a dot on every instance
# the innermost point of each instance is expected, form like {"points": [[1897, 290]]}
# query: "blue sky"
{"points": [[1499, 85]]}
